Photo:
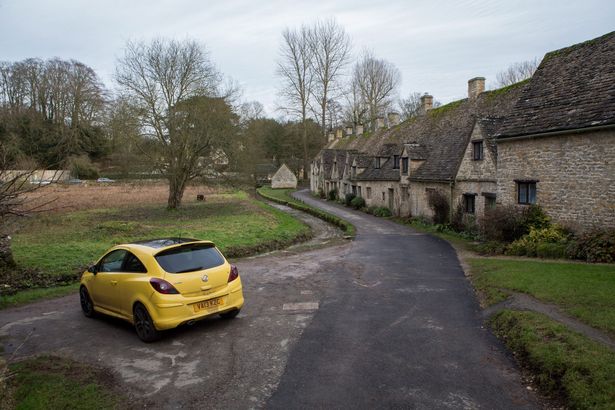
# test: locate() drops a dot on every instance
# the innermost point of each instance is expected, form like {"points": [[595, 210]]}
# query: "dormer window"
{"points": [[477, 147], [404, 165], [354, 172], [395, 161], [377, 163]]}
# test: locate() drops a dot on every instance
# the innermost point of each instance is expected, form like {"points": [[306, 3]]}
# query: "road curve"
{"points": [[398, 327]]}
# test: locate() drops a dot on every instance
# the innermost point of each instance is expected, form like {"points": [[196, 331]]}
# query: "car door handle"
{"points": [[114, 282]]}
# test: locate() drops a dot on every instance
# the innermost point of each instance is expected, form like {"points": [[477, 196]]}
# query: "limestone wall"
{"points": [[575, 175]]}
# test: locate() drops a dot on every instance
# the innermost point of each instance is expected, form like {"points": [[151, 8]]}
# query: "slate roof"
{"points": [[490, 127], [384, 173], [442, 134], [573, 88]]}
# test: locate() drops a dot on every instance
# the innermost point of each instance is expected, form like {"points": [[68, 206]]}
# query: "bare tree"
{"points": [[330, 48], [377, 81], [516, 72], [163, 78], [355, 110], [297, 75], [410, 106]]}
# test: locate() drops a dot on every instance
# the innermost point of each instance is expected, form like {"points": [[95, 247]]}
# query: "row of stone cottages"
{"points": [[549, 140]]}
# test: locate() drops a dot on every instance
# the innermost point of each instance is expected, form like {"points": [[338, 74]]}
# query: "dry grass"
{"points": [[68, 198]]}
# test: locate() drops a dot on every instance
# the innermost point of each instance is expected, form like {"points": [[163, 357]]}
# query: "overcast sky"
{"points": [[437, 45]]}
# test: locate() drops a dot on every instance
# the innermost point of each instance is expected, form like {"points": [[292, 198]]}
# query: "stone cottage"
{"points": [[284, 178], [557, 146]]}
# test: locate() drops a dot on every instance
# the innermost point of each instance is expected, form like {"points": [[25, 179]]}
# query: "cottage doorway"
{"points": [[391, 198]]}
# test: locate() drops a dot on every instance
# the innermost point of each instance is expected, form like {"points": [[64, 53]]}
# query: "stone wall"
{"points": [[471, 169], [575, 175], [419, 204]]}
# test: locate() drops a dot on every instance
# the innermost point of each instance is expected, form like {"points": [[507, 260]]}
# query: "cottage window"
{"points": [[383, 196], [526, 192], [395, 161], [469, 203], [404, 165], [489, 200], [377, 163], [478, 150], [358, 190], [369, 192], [354, 172], [354, 189]]}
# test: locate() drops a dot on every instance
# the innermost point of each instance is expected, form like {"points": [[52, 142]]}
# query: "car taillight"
{"points": [[162, 286], [234, 274]]}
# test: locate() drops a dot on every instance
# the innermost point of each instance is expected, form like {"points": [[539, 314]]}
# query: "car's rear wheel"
{"points": [[230, 314], [144, 326], [86, 302]]}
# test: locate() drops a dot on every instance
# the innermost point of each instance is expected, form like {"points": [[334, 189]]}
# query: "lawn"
{"points": [[49, 382], [583, 290], [64, 243], [565, 364], [283, 196]]}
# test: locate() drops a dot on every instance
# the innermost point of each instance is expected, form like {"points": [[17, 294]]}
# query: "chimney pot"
{"points": [[338, 133], [476, 86], [379, 123], [348, 130], [331, 136], [359, 129], [426, 103]]}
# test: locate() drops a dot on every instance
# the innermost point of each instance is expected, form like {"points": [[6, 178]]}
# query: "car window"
{"points": [[133, 264], [189, 258], [112, 262]]}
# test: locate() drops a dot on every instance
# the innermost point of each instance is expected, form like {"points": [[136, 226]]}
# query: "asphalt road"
{"points": [[385, 321]]}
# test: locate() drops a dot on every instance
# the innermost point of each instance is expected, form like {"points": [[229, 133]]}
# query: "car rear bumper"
{"points": [[168, 314]]}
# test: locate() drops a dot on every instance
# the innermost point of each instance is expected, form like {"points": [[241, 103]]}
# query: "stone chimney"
{"points": [[331, 136], [475, 86], [359, 129], [379, 123], [393, 118], [338, 133], [426, 103], [348, 130]]}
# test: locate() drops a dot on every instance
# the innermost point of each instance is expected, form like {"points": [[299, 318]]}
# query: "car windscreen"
{"points": [[189, 258]]}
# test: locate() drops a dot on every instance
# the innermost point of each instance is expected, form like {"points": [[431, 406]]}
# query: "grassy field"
{"points": [[49, 382], [565, 364], [582, 290], [73, 235], [283, 196]]}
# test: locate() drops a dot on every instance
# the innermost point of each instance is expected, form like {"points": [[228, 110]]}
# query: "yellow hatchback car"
{"points": [[162, 283]]}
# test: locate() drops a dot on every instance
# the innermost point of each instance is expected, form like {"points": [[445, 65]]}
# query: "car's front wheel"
{"points": [[144, 325], [86, 302]]}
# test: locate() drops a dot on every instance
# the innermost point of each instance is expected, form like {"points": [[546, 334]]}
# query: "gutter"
{"points": [[560, 132]]}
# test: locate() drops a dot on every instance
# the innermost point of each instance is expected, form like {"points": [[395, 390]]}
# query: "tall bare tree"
{"points": [[330, 48], [295, 70], [377, 81], [516, 72], [411, 105], [169, 81]]}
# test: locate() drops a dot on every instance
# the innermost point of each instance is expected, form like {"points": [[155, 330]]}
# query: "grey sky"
{"points": [[437, 45]]}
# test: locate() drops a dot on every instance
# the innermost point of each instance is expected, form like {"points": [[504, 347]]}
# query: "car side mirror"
{"points": [[93, 269]]}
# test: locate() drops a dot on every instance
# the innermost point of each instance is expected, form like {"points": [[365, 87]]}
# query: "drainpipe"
{"points": [[450, 211]]}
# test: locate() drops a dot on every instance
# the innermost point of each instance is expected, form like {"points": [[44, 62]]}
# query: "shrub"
{"points": [[551, 250], [82, 167], [357, 202], [537, 237], [321, 193], [439, 204], [509, 223], [371, 209], [593, 246], [382, 212], [534, 217], [332, 195], [348, 198], [491, 248]]}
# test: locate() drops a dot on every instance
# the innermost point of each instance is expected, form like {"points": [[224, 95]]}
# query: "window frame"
{"points": [[101, 262], [124, 267], [469, 198], [405, 165], [395, 161], [377, 163], [526, 186], [478, 154]]}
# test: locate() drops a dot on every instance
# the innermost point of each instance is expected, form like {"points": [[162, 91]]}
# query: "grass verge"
{"points": [[566, 364], [49, 382], [61, 245], [585, 291], [282, 196]]}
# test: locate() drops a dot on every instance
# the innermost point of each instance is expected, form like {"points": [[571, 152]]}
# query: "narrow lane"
{"points": [[399, 327]]}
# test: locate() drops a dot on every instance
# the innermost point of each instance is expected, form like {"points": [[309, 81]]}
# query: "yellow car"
{"points": [[162, 283]]}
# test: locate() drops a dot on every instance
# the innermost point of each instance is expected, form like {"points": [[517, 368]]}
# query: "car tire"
{"points": [[231, 314], [144, 325], [87, 306]]}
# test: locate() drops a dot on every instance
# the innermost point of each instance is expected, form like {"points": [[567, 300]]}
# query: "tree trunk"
{"points": [[305, 151], [6, 255], [177, 185]]}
